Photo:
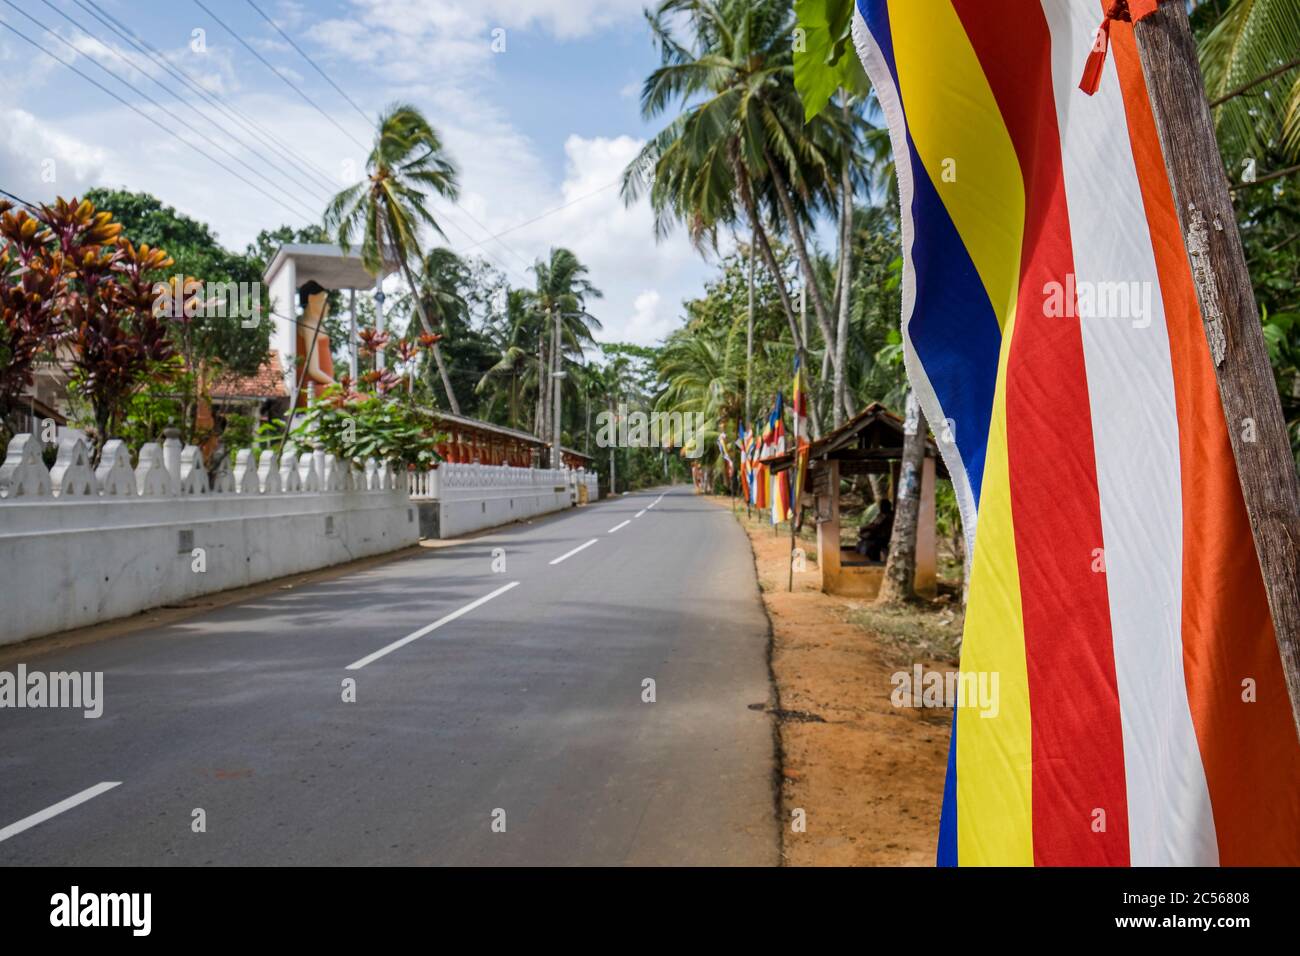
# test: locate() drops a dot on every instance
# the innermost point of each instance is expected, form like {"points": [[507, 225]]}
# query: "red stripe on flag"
{"points": [[1078, 751], [1249, 750]]}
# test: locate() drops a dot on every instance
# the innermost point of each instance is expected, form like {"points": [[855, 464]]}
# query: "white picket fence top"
{"points": [[169, 470], [459, 480]]}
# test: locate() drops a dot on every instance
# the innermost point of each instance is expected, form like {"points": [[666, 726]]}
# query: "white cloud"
{"points": [[650, 321], [644, 282], [438, 57], [410, 36], [31, 152]]}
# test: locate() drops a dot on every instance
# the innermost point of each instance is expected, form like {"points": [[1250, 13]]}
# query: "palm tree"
{"points": [[706, 158], [563, 325], [1251, 62], [876, 174], [611, 380], [740, 137], [701, 368], [443, 277], [514, 361], [388, 207]]}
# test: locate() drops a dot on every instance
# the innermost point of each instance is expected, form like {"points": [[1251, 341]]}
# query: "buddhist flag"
{"points": [[726, 455], [762, 491], [779, 481], [799, 410], [1052, 334], [751, 464]]}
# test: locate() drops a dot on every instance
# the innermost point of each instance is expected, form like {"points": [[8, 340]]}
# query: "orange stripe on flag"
{"points": [[1249, 750]]}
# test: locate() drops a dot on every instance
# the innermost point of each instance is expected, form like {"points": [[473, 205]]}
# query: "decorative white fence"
{"points": [[457, 498], [80, 546], [169, 469]]}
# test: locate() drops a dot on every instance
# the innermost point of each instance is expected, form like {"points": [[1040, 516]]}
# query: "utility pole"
{"points": [[379, 321], [803, 312], [353, 366], [613, 446], [557, 375], [749, 336], [1247, 389]]}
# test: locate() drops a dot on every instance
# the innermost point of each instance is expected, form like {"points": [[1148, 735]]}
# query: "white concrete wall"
{"points": [[474, 497], [79, 548]]}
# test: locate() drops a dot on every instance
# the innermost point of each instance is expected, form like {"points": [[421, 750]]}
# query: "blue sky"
{"points": [[551, 118]]}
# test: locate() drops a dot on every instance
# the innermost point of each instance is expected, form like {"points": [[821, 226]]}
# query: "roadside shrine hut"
{"points": [[870, 443]]}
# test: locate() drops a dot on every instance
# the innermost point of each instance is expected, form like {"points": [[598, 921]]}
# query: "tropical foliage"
{"points": [[355, 426], [390, 206], [89, 290]]}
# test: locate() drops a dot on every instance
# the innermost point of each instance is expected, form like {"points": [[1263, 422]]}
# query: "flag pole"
{"points": [[793, 511], [1247, 389], [794, 490]]}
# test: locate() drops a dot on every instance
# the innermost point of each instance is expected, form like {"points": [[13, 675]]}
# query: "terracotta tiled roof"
{"points": [[267, 382]]}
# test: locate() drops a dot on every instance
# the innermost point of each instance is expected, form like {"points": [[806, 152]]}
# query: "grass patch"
{"points": [[913, 633]]}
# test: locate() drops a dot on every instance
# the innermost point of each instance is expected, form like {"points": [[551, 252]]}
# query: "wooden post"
{"points": [[794, 511], [1232, 325], [927, 551], [828, 531]]}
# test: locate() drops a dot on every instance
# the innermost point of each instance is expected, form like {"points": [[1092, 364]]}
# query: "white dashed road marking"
{"points": [[570, 554], [371, 658], [26, 823]]}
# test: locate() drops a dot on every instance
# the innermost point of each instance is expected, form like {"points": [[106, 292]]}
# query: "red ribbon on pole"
{"points": [[1130, 11]]}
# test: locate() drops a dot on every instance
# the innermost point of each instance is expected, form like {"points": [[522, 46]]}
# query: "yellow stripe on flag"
{"points": [[963, 142], [994, 754]]}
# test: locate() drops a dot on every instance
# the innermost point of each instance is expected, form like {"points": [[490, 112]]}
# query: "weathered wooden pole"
{"points": [[1232, 324]]}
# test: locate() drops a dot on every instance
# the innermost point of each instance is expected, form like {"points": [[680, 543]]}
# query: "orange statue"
{"points": [[319, 362]]}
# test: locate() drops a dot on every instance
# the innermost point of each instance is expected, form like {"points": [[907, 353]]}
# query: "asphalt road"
{"points": [[529, 703]]}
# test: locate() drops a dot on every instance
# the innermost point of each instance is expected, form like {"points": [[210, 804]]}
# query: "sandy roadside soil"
{"points": [[868, 775]]}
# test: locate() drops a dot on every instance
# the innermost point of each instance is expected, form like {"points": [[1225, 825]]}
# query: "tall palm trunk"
{"points": [[539, 420], [899, 581], [557, 365], [840, 401], [428, 327], [769, 259], [805, 261], [613, 446], [749, 336]]}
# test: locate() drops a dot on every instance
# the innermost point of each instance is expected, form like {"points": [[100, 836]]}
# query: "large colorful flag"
{"points": [[776, 427], [749, 455], [750, 458], [762, 446], [1052, 334], [726, 456], [779, 482], [799, 413]]}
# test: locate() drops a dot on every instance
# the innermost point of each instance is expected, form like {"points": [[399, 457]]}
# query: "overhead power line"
{"points": [[17, 199], [311, 190], [306, 166], [135, 109], [288, 82], [328, 79], [549, 212], [288, 39]]}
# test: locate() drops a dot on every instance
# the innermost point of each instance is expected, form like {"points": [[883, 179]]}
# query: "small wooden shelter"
{"points": [[869, 443]]}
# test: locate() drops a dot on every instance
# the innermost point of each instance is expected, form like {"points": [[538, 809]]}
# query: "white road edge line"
{"points": [[570, 554], [26, 823], [429, 628], [617, 526]]}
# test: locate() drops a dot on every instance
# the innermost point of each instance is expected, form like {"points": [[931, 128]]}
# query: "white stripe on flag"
{"points": [[1135, 434]]}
